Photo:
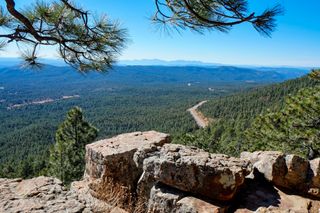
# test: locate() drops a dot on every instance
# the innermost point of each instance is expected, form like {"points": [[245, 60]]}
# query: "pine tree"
{"points": [[67, 155], [25, 169], [294, 129]]}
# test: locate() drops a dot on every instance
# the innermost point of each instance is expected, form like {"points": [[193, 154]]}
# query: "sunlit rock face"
{"points": [[136, 162], [113, 157], [193, 170], [143, 172], [315, 177], [110, 165], [41, 195]]}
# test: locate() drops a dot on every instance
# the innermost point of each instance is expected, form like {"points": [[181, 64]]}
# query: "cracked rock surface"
{"points": [[193, 170], [46, 195]]}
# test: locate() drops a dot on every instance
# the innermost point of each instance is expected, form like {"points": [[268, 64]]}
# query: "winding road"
{"points": [[201, 120]]}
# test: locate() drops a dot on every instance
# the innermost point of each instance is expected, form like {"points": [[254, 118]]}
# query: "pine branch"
{"points": [[221, 15]]}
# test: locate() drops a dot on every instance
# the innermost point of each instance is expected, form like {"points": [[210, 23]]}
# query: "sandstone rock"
{"points": [[33, 187], [147, 180], [194, 170], [110, 167], [269, 163], [92, 204], [139, 172], [42, 194], [195, 205], [47, 195], [118, 210], [261, 196], [315, 177], [104, 157], [288, 171], [274, 210], [297, 171], [164, 199]]}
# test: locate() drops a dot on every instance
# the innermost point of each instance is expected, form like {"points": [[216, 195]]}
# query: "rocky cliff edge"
{"points": [[143, 172]]}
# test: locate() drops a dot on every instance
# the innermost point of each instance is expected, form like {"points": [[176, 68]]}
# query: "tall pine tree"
{"points": [[67, 155]]}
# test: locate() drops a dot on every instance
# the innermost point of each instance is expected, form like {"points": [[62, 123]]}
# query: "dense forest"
{"points": [[27, 132], [234, 114], [133, 98]]}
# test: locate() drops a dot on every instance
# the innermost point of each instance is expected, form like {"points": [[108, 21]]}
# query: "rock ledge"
{"points": [[143, 172]]}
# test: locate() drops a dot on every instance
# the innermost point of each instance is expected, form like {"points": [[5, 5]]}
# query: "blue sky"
{"points": [[296, 42]]}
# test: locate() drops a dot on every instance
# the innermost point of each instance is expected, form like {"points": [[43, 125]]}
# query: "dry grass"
{"points": [[117, 196]]}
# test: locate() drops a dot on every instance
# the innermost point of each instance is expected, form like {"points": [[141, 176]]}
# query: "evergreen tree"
{"points": [[234, 115], [67, 155], [294, 129], [25, 169]]}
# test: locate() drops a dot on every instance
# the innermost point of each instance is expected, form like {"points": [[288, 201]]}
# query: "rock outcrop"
{"points": [[45, 195], [290, 172], [193, 170], [133, 163], [110, 165], [167, 199], [260, 196], [143, 172], [315, 177]]}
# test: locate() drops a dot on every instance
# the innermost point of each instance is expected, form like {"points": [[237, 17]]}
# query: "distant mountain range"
{"points": [[137, 75], [158, 62], [153, 62]]}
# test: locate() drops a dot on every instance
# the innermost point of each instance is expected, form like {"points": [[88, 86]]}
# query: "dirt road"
{"points": [[201, 120]]}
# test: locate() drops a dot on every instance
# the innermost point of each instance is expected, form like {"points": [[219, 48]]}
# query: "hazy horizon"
{"points": [[159, 62], [295, 42]]}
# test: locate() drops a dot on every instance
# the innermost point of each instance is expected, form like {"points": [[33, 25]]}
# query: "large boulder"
{"points": [[193, 170], [297, 171], [110, 168], [114, 156], [287, 171], [271, 164]]}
